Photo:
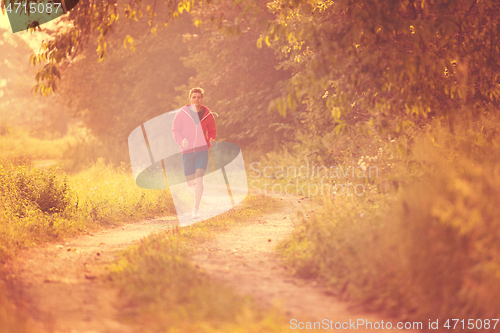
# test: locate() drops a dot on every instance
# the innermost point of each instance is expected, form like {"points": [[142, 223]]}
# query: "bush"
{"points": [[450, 226], [25, 188]]}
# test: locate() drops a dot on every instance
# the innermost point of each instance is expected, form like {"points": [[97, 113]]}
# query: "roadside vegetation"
{"points": [[39, 205], [42, 205], [17, 146], [46, 204], [421, 242]]}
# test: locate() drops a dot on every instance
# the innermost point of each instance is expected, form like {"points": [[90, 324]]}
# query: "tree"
{"points": [[115, 96], [93, 22], [394, 61]]}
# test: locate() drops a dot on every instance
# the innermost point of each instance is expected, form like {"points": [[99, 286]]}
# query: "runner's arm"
{"points": [[177, 130], [212, 130]]}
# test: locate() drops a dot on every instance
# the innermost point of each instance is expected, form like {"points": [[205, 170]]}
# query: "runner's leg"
{"points": [[188, 161], [190, 180], [198, 191]]}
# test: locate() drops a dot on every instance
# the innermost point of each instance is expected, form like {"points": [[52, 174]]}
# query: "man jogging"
{"points": [[194, 130]]}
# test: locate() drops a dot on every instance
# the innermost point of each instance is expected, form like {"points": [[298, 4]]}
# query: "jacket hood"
{"points": [[187, 107]]}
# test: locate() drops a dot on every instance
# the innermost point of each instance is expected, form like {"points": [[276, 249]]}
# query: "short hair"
{"points": [[196, 90]]}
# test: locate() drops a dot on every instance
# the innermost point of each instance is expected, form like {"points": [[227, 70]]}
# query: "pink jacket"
{"points": [[198, 136]]}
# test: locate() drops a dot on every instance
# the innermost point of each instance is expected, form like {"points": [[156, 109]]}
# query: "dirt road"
{"points": [[64, 286]]}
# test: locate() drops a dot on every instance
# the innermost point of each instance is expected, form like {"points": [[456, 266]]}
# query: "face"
{"points": [[196, 98]]}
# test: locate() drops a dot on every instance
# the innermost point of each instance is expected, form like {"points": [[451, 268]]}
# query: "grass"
{"points": [[38, 206], [110, 195], [74, 152], [42, 205], [18, 147], [370, 165], [46, 205], [424, 248], [163, 292]]}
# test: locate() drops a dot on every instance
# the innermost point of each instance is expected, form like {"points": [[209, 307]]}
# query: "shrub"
{"points": [[26, 188]]}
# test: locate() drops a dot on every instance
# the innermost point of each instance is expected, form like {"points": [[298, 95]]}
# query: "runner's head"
{"points": [[196, 96], [196, 90]]}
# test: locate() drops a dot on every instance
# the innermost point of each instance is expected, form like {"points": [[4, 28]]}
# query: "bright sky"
{"points": [[4, 21]]}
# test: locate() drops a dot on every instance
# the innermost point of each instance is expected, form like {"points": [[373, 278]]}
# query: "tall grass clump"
{"points": [[428, 250], [451, 221], [25, 189], [108, 194], [35, 206]]}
